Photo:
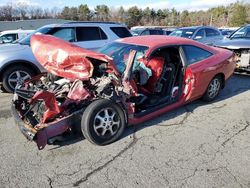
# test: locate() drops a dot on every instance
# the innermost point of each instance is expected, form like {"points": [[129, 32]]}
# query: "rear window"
{"points": [[194, 54], [121, 32], [212, 32], [156, 32], [90, 33]]}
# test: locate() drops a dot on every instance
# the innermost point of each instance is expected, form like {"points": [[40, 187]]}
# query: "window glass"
{"points": [[200, 33], [90, 33], [153, 32], [42, 30], [120, 53], [195, 54], [8, 38], [160, 32], [211, 32], [121, 32], [243, 32], [67, 34], [187, 33], [146, 32]]}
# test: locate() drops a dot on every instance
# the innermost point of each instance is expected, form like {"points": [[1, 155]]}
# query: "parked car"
{"points": [[226, 32], [127, 82], [17, 62], [148, 31], [239, 43], [13, 35], [204, 34]]}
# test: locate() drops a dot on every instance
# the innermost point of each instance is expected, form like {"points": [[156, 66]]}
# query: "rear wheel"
{"points": [[213, 89], [103, 122], [15, 75]]}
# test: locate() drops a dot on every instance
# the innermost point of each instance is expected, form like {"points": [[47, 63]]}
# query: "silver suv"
{"points": [[204, 34], [17, 62]]}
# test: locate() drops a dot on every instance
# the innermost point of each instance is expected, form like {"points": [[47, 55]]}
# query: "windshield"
{"points": [[120, 52], [137, 31], [243, 32], [26, 40], [186, 33]]}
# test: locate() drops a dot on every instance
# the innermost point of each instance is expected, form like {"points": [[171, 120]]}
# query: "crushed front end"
{"points": [[47, 105], [243, 59]]}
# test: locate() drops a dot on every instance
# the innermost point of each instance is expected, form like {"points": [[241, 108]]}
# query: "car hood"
{"points": [[65, 59], [233, 43], [12, 47]]}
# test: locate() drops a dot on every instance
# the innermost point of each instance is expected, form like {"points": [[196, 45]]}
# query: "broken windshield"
{"points": [[120, 52]]}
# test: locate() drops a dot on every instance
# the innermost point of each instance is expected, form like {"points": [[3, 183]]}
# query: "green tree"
{"points": [[65, 14], [84, 12], [160, 16], [134, 16], [184, 18], [239, 15], [102, 12], [146, 16], [121, 15]]}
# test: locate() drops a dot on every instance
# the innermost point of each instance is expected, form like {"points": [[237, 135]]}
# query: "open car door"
{"points": [[188, 85]]}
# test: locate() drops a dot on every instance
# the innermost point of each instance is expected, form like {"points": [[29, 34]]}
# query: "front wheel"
{"points": [[15, 75], [103, 122], [213, 89]]}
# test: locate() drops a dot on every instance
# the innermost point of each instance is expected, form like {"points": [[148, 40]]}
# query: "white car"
{"points": [[10, 36], [17, 62]]}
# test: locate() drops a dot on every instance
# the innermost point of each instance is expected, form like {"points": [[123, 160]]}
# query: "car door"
{"points": [[200, 36], [212, 35], [67, 33], [195, 79], [90, 37]]}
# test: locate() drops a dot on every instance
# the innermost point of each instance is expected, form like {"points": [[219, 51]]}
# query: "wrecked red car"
{"points": [[127, 82]]}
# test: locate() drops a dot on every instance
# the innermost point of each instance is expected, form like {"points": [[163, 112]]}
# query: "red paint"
{"points": [[69, 61], [64, 59], [50, 103]]}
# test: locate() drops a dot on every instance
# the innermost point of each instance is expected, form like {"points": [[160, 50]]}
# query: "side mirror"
{"points": [[197, 37]]}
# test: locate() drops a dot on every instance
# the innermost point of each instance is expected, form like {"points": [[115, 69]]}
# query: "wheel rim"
{"points": [[106, 122], [214, 88], [17, 77]]}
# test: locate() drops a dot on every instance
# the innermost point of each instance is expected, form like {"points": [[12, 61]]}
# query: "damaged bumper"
{"points": [[26, 130], [49, 130]]}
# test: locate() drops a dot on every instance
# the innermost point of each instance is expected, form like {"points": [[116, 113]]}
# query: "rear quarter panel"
{"points": [[205, 70]]}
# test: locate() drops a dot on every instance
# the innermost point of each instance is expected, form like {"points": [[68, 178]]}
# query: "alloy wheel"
{"points": [[106, 122]]}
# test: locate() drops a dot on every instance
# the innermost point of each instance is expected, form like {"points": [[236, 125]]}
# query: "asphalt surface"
{"points": [[198, 145]]}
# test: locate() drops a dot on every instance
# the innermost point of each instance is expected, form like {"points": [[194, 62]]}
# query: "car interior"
{"points": [[165, 85]]}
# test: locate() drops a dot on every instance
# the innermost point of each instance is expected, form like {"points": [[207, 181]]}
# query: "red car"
{"points": [[127, 82]]}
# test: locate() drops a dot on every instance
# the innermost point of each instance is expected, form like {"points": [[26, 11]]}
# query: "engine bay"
{"points": [[243, 59]]}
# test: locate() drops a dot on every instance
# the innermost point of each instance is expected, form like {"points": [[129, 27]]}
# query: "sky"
{"points": [[155, 4]]}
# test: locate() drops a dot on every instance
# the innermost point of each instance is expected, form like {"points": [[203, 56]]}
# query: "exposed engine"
{"points": [[243, 59], [45, 98]]}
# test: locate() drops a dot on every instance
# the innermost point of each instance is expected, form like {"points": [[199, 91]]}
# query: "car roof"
{"points": [[197, 27], [156, 41], [86, 23], [16, 31]]}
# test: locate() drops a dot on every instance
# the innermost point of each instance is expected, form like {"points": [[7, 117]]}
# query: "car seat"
{"points": [[156, 65]]}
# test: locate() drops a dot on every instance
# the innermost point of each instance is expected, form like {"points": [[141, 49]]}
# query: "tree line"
{"points": [[235, 14]]}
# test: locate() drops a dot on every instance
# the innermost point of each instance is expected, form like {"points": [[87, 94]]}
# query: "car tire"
{"points": [[103, 122], [12, 73], [213, 89]]}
